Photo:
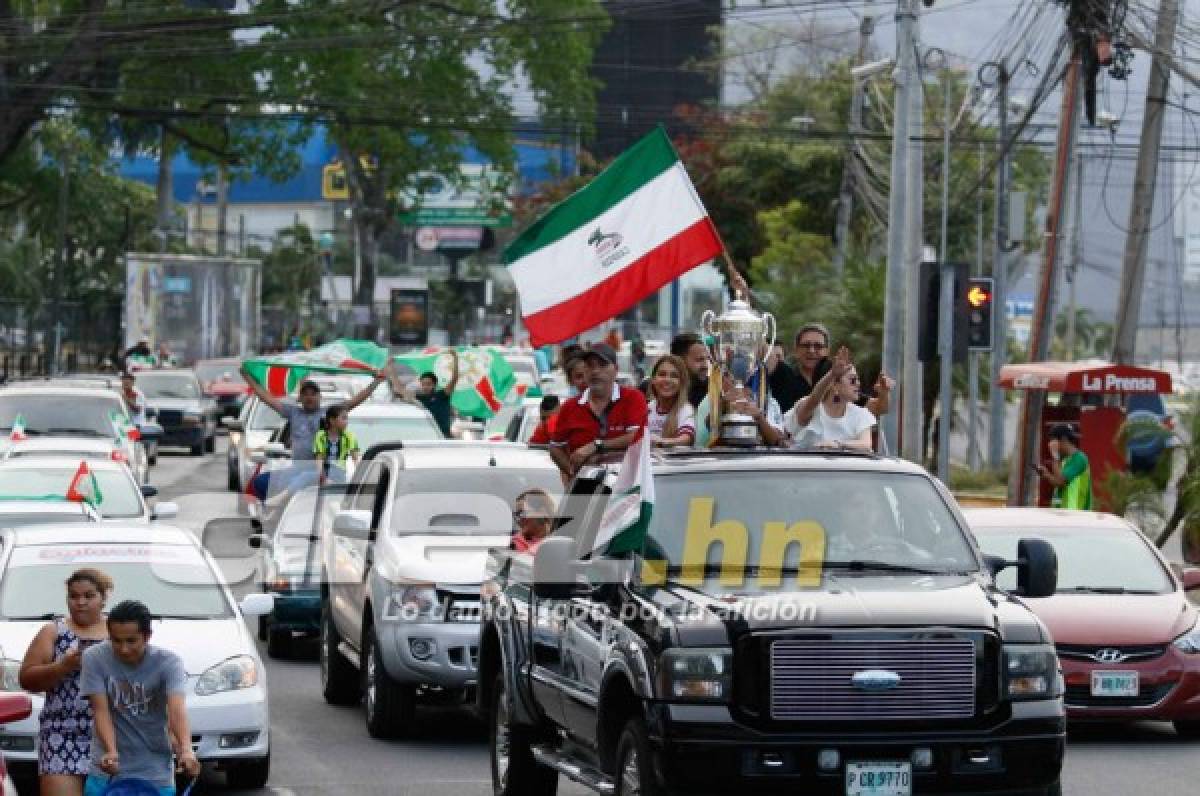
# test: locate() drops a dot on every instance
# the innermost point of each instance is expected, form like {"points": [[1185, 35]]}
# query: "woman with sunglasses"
{"points": [[828, 417], [533, 514]]}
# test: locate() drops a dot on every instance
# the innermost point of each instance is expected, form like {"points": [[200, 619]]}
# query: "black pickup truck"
{"points": [[794, 623]]}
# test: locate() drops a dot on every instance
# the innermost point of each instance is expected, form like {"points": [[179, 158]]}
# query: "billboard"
{"points": [[200, 307], [409, 317]]}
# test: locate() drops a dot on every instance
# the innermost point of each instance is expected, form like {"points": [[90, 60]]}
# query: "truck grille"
{"points": [[170, 418], [811, 679]]}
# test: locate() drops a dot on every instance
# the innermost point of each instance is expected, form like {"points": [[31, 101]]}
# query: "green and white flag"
{"points": [[485, 378], [282, 374], [626, 519], [84, 487], [628, 232]]}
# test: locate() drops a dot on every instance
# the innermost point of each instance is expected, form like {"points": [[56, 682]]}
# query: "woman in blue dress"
{"points": [[51, 666]]}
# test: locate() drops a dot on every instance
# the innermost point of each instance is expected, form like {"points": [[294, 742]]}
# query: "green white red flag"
{"points": [[282, 374], [17, 432], [485, 378], [626, 519], [84, 487], [631, 230]]}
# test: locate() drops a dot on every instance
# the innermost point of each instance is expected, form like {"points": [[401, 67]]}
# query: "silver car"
{"points": [[122, 500]]}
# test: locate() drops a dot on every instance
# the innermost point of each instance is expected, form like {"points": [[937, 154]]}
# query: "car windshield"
{"points": [[498, 423], [185, 589], [736, 525], [69, 415], [1089, 562], [119, 496], [178, 386], [375, 430], [264, 418], [208, 372], [465, 501]]}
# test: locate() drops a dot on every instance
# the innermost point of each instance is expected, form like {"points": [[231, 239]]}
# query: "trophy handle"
{"points": [[769, 317], [706, 322]]}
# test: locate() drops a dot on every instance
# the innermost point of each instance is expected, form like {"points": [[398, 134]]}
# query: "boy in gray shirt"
{"points": [[137, 695]]}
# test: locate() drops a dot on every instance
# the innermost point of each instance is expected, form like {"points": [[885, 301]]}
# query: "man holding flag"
{"points": [[304, 417]]}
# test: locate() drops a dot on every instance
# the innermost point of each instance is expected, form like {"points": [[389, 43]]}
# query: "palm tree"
{"points": [[1102, 339], [1085, 332]]}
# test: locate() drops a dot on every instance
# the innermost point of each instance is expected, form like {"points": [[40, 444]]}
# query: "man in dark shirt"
{"points": [[790, 383], [438, 401]]}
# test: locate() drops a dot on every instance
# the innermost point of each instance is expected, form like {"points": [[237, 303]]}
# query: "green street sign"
{"points": [[454, 217]]}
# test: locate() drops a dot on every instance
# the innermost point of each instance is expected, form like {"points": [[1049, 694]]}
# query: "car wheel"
{"points": [[231, 481], [515, 772], [210, 444], [198, 448], [279, 643], [263, 628], [1188, 729], [635, 771], [250, 774], [339, 678], [390, 706]]}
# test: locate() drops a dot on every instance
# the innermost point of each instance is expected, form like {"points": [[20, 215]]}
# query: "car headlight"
{"points": [[10, 675], [1189, 642], [697, 674], [236, 673], [412, 604], [1031, 672]]}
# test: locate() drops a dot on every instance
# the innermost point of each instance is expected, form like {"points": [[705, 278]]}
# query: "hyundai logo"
{"points": [[875, 680], [1109, 655]]}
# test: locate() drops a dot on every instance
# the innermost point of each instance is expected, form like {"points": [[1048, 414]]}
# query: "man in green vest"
{"points": [[1068, 471]]}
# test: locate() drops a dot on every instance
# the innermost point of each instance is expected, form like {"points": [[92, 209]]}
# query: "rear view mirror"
{"points": [[1037, 568], [149, 490], [257, 604]]}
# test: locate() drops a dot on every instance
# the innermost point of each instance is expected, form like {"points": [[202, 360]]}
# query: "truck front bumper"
{"points": [[704, 750], [444, 654]]}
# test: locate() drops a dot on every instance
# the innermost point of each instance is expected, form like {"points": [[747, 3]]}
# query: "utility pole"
{"points": [[846, 193], [1039, 334], [997, 404], [1076, 257], [911, 439], [898, 207], [222, 207], [53, 329], [1133, 273], [946, 304], [973, 356]]}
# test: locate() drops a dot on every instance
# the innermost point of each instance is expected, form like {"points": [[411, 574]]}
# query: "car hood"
{"points": [[1101, 619], [177, 404], [899, 601], [201, 643], [437, 559]]}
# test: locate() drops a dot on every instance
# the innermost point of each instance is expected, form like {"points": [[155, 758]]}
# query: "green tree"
{"points": [[291, 271], [436, 81]]}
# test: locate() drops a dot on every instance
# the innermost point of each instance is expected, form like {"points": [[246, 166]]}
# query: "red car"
{"points": [[221, 380], [1126, 633], [14, 706]]}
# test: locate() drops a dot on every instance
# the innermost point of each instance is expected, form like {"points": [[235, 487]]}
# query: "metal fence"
{"points": [[85, 333]]}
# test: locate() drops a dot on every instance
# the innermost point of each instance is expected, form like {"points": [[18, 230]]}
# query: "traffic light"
{"points": [[978, 299], [930, 296]]}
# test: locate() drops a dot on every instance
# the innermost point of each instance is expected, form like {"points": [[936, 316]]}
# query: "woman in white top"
{"points": [[828, 417], [672, 420]]}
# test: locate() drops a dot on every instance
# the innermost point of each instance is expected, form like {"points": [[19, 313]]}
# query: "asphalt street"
{"points": [[320, 749]]}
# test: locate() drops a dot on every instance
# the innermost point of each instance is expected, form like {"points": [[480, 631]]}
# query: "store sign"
{"points": [[477, 198], [409, 317]]}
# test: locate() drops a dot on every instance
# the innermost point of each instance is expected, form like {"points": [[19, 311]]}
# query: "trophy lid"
{"points": [[738, 315]]}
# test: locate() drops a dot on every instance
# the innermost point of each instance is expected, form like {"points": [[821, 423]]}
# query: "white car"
{"points": [[16, 512], [195, 617], [122, 500], [76, 412], [76, 448]]}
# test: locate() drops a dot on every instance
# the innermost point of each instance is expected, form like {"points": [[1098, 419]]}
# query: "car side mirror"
{"points": [[1190, 578], [1037, 568], [353, 524], [148, 431], [15, 706], [232, 423], [149, 490], [257, 604], [164, 511], [258, 540], [554, 568]]}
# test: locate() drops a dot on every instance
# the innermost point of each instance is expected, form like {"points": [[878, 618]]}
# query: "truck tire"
{"points": [[210, 443], [232, 482], [198, 448], [339, 678], [635, 771], [514, 770], [1188, 730], [390, 706], [249, 774]]}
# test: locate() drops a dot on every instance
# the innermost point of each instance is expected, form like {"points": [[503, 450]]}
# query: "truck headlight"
{"points": [[1189, 642], [697, 674], [412, 604], [233, 674], [10, 675], [1030, 672]]}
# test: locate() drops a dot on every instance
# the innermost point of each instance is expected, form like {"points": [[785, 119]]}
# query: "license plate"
{"points": [[878, 779], [464, 612], [1114, 684]]}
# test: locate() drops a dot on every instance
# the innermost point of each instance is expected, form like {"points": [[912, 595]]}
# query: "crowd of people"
{"points": [[816, 400]]}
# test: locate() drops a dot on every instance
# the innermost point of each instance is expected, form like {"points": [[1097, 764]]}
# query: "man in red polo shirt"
{"points": [[605, 418]]}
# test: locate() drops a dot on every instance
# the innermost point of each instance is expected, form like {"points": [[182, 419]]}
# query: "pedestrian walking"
{"points": [[1068, 470], [138, 695], [829, 417], [51, 667], [438, 401], [671, 419]]}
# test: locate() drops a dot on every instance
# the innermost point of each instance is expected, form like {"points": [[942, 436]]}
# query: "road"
{"points": [[320, 749]]}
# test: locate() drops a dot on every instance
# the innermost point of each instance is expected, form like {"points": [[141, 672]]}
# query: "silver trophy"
{"points": [[741, 344]]}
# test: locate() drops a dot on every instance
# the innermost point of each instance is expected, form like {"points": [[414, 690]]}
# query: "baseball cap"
{"points": [[603, 351], [309, 384]]}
